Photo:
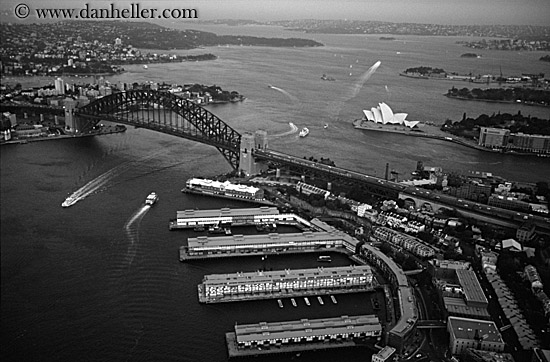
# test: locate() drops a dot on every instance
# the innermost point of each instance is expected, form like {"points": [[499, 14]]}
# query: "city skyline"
{"points": [[468, 12]]}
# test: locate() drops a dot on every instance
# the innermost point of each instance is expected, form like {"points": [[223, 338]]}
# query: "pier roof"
{"points": [[226, 211], [268, 276], [306, 327], [271, 238]]}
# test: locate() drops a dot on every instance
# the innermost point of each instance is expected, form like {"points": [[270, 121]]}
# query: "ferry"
{"points": [[304, 132], [69, 201], [152, 198], [325, 258]]}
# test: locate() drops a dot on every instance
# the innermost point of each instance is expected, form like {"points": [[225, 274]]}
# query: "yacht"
{"points": [[304, 132], [325, 258], [151, 199]]}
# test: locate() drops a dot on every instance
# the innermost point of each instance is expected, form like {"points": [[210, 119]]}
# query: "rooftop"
{"points": [[306, 327], [268, 276], [472, 289], [465, 328], [226, 211]]}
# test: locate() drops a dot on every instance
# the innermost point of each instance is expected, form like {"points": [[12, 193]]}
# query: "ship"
{"points": [[69, 201], [151, 199], [304, 132], [324, 258]]}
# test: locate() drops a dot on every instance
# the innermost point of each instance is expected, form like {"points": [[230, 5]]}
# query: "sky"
{"points": [[452, 12]]}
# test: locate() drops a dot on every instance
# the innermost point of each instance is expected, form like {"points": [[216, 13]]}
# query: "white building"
{"points": [[384, 114]]}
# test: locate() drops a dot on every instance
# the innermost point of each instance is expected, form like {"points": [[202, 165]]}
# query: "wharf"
{"points": [[234, 351]]}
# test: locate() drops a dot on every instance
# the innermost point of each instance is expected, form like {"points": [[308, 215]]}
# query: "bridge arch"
{"points": [[167, 113]]}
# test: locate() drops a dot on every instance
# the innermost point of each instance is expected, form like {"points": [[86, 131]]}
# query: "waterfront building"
{"points": [[225, 188], [493, 137], [529, 142], [384, 355], [306, 331], [217, 288], [383, 114], [242, 216], [473, 333]]}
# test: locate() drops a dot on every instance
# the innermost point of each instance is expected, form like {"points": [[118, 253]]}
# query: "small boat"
{"points": [[327, 78], [304, 132], [69, 201], [321, 301], [293, 302], [152, 198], [325, 258], [280, 302], [325, 126], [307, 301], [333, 299], [145, 66]]}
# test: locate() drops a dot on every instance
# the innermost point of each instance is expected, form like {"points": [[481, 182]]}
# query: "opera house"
{"points": [[384, 115]]}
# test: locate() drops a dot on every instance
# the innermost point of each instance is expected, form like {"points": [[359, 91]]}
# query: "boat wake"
{"points": [[289, 96], [102, 182], [353, 91], [293, 129], [132, 232]]}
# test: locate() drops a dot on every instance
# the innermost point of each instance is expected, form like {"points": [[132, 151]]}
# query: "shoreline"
{"points": [[364, 125], [109, 130]]}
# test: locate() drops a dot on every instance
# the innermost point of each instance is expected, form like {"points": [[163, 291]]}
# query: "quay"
{"points": [[189, 219], [219, 288], [205, 247], [304, 335]]}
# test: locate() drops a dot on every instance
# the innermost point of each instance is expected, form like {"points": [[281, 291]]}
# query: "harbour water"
{"points": [[101, 280]]}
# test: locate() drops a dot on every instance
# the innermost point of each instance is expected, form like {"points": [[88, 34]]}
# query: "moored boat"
{"points": [[325, 258]]}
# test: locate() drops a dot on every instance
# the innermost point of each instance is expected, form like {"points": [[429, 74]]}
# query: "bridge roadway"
{"points": [[491, 214]]}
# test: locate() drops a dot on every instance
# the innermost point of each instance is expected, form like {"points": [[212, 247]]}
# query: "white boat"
{"points": [[304, 132], [69, 201], [145, 66], [325, 258], [307, 301], [152, 198], [325, 126], [321, 301]]}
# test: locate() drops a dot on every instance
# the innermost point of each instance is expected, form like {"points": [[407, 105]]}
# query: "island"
{"points": [[527, 96]]}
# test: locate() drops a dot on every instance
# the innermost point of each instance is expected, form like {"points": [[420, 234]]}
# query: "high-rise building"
{"points": [[59, 86]]}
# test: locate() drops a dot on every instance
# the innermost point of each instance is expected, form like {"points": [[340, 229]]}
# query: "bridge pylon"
{"points": [[249, 142]]}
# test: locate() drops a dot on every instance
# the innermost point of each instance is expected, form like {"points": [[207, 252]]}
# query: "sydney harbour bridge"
{"points": [[249, 153]]}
